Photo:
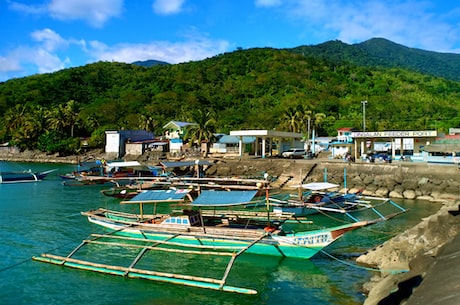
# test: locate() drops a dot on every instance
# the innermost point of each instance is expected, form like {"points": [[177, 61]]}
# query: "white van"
{"points": [[294, 153]]}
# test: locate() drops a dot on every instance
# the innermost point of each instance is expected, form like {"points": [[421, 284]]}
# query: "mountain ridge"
{"points": [[381, 52]]}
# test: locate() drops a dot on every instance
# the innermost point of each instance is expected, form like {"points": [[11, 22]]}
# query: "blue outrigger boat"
{"points": [[24, 176], [209, 225]]}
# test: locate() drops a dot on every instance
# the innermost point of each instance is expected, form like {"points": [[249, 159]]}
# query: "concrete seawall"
{"points": [[408, 180], [396, 180]]}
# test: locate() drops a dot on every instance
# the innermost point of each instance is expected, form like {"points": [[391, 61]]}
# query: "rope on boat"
{"points": [[362, 267], [28, 259]]}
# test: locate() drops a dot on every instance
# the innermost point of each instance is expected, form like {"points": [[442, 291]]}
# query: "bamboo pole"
{"points": [[235, 256], [165, 242], [86, 241], [163, 249], [136, 260], [142, 271]]}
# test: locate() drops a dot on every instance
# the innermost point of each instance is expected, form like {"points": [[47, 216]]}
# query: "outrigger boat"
{"points": [[314, 197], [24, 176], [102, 172], [324, 197], [206, 226]]}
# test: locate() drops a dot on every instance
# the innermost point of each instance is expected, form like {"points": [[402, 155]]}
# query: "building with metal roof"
{"points": [[267, 137]]}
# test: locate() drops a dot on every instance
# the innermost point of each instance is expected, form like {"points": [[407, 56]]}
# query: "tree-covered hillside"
{"points": [[379, 52], [246, 89]]}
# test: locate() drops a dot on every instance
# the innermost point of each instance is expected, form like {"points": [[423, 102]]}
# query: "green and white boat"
{"points": [[209, 225]]}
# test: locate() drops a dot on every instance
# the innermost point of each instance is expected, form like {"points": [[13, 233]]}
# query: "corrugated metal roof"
{"points": [[448, 148], [226, 139], [179, 124], [158, 196], [124, 164], [223, 198]]}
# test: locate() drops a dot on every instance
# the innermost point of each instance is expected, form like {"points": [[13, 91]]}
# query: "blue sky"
{"points": [[48, 35]]}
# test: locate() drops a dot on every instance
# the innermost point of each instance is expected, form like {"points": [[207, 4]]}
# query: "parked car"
{"points": [[294, 153], [383, 157]]}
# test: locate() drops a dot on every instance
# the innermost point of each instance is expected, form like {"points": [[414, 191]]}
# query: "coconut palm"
{"points": [[290, 119], [65, 116], [203, 129]]}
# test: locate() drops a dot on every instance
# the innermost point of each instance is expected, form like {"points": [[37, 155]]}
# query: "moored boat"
{"points": [[210, 225], [319, 196], [324, 198], [24, 176]]}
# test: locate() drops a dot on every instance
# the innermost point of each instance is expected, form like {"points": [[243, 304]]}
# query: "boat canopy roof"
{"points": [[318, 186], [154, 196], [173, 164], [210, 198], [124, 164]]}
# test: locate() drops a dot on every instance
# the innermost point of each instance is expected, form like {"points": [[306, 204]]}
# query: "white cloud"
{"points": [[9, 64], [95, 12], [49, 39], [51, 52], [42, 56], [21, 61], [167, 7], [171, 52], [412, 23], [27, 9], [47, 61]]}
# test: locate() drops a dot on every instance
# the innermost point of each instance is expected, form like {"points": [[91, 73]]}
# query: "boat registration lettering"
{"points": [[312, 240]]}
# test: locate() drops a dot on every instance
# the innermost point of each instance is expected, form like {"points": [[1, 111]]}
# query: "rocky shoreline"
{"points": [[414, 249]]}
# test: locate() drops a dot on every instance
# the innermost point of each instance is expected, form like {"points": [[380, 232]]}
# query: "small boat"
{"points": [[322, 197], [210, 225], [319, 196], [24, 176], [132, 189], [106, 173]]}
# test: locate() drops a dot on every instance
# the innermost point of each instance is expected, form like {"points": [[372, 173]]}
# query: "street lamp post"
{"points": [[364, 114]]}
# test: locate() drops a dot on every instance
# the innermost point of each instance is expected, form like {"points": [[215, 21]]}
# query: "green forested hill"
{"points": [[245, 89], [150, 63], [384, 53]]}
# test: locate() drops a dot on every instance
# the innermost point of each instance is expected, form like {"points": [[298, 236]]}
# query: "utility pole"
{"points": [[364, 114]]}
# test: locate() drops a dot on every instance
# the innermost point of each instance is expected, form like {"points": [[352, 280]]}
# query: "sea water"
{"points": [[44, 217]]}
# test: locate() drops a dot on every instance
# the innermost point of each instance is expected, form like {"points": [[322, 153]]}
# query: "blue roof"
{"points": [[158, 196], [226, 139], [223, 198]]}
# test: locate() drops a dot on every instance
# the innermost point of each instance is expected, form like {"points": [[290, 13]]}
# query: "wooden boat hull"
{"points": [[303, 245], [17, 177]]}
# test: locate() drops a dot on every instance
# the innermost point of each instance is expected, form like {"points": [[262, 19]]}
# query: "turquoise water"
{"points": [[44, 217]]}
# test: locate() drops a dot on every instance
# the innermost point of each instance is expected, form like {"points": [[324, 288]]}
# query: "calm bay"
{"points": [[44, 217]]}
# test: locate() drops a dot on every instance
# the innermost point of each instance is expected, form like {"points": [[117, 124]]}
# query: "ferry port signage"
{"points": [[395, 134]]}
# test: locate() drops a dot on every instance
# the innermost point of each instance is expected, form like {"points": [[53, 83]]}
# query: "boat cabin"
{"points": [[188, 219]]}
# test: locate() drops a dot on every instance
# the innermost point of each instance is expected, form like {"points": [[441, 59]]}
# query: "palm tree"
{"points": [[204, 128], [72, 113], [290, 119], [147, 122], [319, 119], [65, 116], [14, 118]]}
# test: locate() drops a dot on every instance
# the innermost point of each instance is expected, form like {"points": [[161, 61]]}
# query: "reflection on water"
{"points": [[44, 217]]}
